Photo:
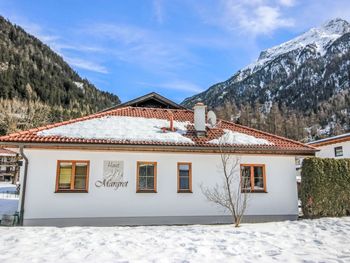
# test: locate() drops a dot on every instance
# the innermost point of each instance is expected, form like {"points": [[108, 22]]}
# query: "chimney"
{"points": [[171, 119], [199, 119]]}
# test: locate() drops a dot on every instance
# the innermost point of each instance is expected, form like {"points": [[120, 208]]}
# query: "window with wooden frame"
{"points": [[184, 177], [338, 151], [72, 176], [253, 178], [146, 181]]}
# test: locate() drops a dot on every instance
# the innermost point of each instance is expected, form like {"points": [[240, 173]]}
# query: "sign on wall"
{"points": [[113, 175]]}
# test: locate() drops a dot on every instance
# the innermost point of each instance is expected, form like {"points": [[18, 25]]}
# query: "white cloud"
{"points": [[249, 17], [88, 65], [287, 2], [180, 85], [254, 18], [141, 47]]}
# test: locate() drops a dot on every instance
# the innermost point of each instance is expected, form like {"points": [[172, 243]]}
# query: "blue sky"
{"points": [[177, 48]]}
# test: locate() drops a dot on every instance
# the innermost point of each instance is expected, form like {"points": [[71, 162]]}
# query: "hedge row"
{"points": [[325, 187]]}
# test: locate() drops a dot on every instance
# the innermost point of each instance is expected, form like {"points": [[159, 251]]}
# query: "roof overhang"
{"points": [[329, 141], [161, 148]]}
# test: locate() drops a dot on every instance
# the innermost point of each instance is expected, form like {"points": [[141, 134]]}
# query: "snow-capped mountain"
{"points": [[302, 73]]}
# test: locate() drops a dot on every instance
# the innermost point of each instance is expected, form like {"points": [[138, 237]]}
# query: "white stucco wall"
{"points": [[327, 151], [43, 202]]}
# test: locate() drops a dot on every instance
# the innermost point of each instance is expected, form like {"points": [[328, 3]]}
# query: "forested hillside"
{"points": [[38, 87], [299, 89]]}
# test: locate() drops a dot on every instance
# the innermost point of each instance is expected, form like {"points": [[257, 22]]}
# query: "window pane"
{"points": [[184, 183], [150, 183], [338, 151], [142, 170], [184, 173], [150, 170], [142, 182], [80, 176], [258, 178], [245, 170], [65, 175], [184, 167], [146, 176]]}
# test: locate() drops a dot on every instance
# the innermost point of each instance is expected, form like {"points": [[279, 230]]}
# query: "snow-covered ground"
{"points": [[321, 240], [8, 203]]}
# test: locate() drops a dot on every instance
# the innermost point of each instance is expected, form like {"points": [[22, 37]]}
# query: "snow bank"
{"points": [[230, 137], [121, 128], [321, 240]]}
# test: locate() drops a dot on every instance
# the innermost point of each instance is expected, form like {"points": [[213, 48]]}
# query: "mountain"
{"points": [[38, 87], [304, 83]]}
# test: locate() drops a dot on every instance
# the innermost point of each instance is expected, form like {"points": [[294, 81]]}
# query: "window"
{"points": [[146, 177], [184, 177], [253, 178], [338, 151], [72, 176]]}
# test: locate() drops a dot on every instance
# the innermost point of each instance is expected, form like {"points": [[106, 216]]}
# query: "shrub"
{"points": [[325, 187]]}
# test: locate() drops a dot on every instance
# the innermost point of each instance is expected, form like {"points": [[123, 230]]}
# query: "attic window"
{"points": [[338, 151]]}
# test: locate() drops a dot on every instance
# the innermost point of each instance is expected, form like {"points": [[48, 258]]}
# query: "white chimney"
{"points": [[199, 118]]}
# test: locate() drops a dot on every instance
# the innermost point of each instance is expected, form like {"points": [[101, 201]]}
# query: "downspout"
{"points": [[24, 184]]}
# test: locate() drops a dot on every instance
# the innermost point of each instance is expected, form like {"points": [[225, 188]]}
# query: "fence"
{"points": [[14, 194]]}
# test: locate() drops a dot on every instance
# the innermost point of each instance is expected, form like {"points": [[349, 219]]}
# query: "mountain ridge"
{"points": [[301, 75], [36, 81]]}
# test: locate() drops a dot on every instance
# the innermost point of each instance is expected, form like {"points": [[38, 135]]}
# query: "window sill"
{"points": [[255, 191], [71, 191], [184, 191], [146, 191]]}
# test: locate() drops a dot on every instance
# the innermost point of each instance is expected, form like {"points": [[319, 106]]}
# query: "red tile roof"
{"points": [[279, 144], [4, 151]]}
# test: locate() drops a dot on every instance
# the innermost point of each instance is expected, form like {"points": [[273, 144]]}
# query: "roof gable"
{"points": [[151, 100]]}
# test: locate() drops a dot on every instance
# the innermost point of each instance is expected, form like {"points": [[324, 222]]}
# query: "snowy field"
{"points": [[322, 240], [8, 204]]}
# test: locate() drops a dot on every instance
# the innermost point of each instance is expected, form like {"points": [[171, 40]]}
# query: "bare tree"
{"points": [[232, 194]]}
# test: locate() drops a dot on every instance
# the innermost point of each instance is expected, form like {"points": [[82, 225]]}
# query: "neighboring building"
{"points": [[8, 165], [135, 164], [333, 147]]}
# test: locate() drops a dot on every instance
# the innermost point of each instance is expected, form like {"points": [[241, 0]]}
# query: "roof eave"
{"points": [[161, 148]]}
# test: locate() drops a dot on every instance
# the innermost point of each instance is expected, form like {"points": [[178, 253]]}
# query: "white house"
{"points": [[145, 162], [8, 165], [333, 147]]}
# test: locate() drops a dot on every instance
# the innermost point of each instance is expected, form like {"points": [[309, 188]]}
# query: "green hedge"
{"points": [[325, 187]]}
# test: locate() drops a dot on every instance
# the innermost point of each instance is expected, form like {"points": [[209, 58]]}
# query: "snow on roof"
{"points": [[122, 128], [231, 137], [143, 126]]}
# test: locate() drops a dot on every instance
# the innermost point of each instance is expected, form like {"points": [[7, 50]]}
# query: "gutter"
{"points": [[23, 186], [163, 148]]}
